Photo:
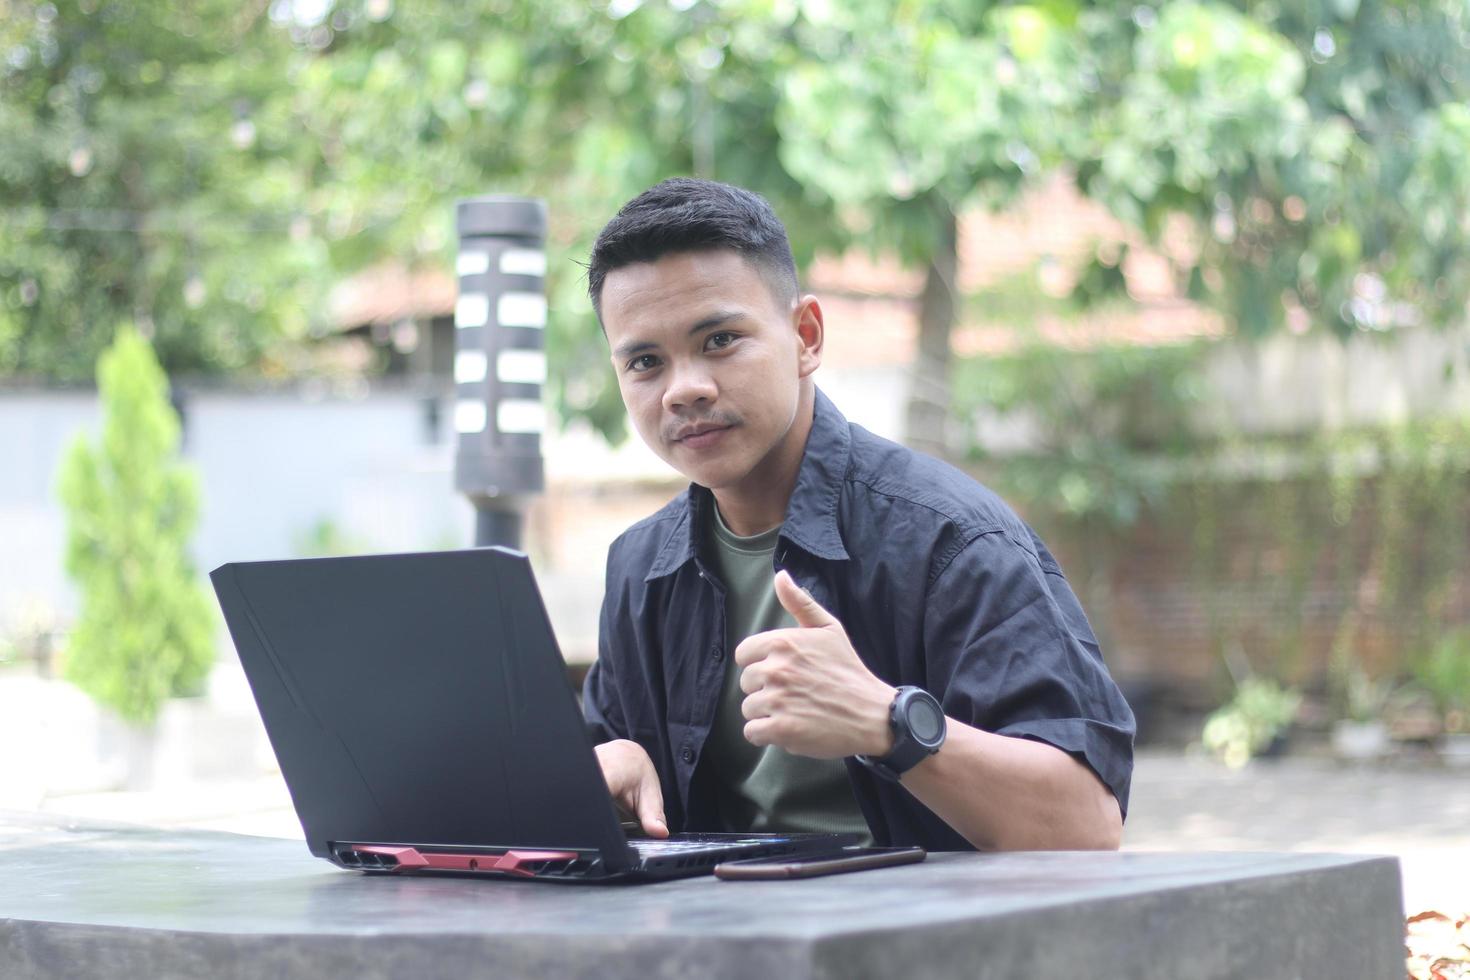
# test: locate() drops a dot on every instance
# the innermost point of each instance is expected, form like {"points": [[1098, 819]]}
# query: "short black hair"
{"points": [[689, 214]]}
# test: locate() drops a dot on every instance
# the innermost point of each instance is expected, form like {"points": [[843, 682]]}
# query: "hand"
{"points": [[806, 688], [633, 782]]}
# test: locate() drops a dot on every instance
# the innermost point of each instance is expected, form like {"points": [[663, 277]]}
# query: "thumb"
{"points": [[651, 806], [800, 604]]}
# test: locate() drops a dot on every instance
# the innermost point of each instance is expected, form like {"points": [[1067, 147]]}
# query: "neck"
{"points": [[758, 502]]}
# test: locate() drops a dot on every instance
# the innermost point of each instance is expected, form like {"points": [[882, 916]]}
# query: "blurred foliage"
{"points": [[209, 170], [1337, 555], [1270, 148], [1101, 424], [1258, 715], [1443, 670], [1355, 694], [145, 629], [134, 186]]}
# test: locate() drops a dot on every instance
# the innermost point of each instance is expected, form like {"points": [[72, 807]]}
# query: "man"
{"points": [[828, 631]]}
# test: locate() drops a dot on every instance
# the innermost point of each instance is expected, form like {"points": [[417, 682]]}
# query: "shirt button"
{"points": [[715, 652], [687, 755]]}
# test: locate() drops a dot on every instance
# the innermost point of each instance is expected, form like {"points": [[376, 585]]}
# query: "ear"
{"points": [[810, 333]]}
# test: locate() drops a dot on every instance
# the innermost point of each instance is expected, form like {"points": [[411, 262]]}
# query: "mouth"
{"points": [[700, 436]]}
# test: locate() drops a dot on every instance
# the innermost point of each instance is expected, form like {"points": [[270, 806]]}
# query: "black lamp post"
{"points": [[500, 360]]}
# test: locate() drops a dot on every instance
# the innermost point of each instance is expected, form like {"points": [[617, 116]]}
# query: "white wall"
{"points": [[270, 467], [1300, 384], [35, 430], [1287, 385]]}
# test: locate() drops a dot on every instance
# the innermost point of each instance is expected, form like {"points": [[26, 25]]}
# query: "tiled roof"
{"points": [[389, 293]]}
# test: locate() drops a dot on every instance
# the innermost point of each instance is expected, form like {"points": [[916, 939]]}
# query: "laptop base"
{"points": [[679, 857]]}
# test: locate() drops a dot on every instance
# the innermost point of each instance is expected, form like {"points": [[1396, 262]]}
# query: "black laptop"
{"points": [[420, 712]]}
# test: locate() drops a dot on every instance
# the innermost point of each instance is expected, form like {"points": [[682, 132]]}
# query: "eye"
{"points": [[643, 362], [719, 341]]}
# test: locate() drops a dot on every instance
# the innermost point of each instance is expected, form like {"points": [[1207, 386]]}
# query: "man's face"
{"points": [[710, 364]]}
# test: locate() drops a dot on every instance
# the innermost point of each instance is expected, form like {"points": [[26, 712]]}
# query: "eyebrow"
{"points": [[710, 322]]}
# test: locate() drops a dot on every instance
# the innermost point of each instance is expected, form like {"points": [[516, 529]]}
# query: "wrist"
{"points": [[878, 737], [917, 724]]}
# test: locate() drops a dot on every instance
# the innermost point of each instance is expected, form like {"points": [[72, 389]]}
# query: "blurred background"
{"points": [[1185, 281]]}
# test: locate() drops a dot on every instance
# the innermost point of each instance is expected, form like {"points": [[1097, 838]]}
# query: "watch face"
{"points": [[926, 720]]}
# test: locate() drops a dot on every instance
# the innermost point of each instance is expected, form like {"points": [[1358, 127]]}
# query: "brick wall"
{"points": [[1265, 573]]}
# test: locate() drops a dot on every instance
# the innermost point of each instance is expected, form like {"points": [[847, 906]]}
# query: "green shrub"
{"points": [[145, 632]]}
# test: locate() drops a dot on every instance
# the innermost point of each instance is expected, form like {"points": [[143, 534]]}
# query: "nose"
{"points": [[690, 386]]}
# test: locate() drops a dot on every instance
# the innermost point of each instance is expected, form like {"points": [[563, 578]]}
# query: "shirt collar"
{"points": [[811, 515]]}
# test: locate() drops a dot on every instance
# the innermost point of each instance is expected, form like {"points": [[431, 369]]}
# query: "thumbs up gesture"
{"points": [[805, 688]]}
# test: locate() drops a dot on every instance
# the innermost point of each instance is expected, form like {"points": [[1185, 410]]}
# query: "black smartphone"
{"points": [[815, 865]]}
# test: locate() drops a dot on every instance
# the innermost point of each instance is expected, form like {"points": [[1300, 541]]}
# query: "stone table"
{"points": [[84, 900]]}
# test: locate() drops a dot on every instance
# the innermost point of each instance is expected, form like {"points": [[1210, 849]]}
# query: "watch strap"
{"points": [[907, 750]]}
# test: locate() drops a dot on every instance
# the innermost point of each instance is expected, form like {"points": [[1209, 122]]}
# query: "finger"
{"points": [[756, 706], [758, 731], [800, 604], [651, 805], [752, 678], [751, 650]]}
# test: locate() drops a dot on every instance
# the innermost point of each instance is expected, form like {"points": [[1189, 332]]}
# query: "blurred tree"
{"points": [[946, 105], [1306, 147], [1303, 159], [145, 629], [584, 105], [135, 184], [1309, 146]]}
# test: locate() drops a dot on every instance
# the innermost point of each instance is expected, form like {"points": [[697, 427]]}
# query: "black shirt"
{"points": [[936, 580]]}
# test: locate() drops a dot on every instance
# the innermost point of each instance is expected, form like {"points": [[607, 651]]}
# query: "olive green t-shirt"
{"points": [[765, 788]]}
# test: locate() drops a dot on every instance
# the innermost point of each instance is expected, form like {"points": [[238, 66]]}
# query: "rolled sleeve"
{"points": [[1013, 653]]}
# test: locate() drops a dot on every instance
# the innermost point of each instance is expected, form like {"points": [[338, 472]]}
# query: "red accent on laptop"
{"points": [[412, 859]]}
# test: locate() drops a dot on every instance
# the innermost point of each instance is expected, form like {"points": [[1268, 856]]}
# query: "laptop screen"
{"points": [[421, 699]]}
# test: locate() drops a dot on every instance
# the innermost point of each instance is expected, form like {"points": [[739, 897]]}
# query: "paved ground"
{"points": [[1417, 811]]}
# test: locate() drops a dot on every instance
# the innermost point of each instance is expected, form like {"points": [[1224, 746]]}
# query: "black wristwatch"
{"points": [[919, 727]]}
